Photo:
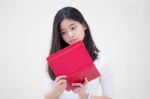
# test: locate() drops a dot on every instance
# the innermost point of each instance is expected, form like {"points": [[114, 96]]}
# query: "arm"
{"points": [[50, 95], [105, 80], [80, 90]]}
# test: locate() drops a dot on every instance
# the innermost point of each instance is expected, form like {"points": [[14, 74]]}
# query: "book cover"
{"points": [[75, 62]]}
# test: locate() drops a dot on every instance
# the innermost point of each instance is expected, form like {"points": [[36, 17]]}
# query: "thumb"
{"points": [[86, 81]]}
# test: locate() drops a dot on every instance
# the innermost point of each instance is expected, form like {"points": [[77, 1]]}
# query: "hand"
{"points": [[80, 89], [59, 86]]}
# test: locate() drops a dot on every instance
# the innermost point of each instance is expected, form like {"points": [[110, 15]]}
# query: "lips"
{"points": [[73, 41]]}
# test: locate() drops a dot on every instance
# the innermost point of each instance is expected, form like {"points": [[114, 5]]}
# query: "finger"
{"points": [[60, 77], [77, 85], [63, 86], [76, 90], [60, 85], [62, 81], [86, 81]]}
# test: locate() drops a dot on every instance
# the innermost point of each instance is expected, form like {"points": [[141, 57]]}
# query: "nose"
{"points": [[70, 34]]}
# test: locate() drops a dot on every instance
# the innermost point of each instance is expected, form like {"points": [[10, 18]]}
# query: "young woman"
{"points": [[69, 27]]}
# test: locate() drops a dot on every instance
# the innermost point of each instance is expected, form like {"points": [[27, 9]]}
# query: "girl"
{"points": [[69, 27]]}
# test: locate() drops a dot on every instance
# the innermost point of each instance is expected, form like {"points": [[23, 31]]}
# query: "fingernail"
{"points": [[64, 75]]}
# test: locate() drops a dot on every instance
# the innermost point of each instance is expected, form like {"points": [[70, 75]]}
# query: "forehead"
{"points": [[66, 23]]}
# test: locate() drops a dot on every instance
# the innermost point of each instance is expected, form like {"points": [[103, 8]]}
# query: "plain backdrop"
{"points": [[120, 28]]}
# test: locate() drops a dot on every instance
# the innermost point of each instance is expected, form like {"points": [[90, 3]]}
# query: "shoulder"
{"points": [[102, 63], [101, 58]]}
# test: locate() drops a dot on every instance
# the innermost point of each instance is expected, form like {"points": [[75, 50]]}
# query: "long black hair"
{"points": [[57, 40]]}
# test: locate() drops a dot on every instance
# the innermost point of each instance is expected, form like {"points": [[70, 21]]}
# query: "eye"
{"points": [[73, 28], [62, 33]]}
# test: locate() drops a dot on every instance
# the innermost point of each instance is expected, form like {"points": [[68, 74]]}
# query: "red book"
{"points": [[75, 62]]}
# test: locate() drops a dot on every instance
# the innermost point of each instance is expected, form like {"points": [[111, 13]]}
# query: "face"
{"points": [[72, 31]]}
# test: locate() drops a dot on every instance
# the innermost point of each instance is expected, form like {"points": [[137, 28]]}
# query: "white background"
{"points": [[120, 29]]}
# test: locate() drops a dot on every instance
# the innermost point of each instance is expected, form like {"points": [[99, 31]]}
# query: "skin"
{"points": [[71, 32], [58, 88]]}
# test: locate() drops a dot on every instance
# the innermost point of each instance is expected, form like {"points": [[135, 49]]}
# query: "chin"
{"points": [[74, 42]]}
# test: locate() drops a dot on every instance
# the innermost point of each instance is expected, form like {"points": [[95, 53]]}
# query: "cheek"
{"points": [[82, 35], [65, 39]]}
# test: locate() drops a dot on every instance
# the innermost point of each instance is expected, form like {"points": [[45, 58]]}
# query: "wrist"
{"points": [[54, 95], [50, 95], [85, 96]]}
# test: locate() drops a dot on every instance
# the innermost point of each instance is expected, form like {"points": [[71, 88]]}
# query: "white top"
{"points": [[102, 85]]}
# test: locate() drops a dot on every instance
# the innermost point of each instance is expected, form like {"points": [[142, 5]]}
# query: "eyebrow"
{"points": [[69, 25]]}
